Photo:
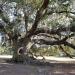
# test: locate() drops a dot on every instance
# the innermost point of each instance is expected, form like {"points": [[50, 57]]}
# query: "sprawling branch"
{"points": [[48, 42], [51, 31], [69, 44], [59, 42], [56, 42], [45, 30], [39, 15], [61, 48]]}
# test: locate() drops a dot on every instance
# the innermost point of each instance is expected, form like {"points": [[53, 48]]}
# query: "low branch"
{"points": [[69, 44], [57, 42], [61, 47], [50, 31], [60, 42], [46, 30], [67, 54], [48, 42]]}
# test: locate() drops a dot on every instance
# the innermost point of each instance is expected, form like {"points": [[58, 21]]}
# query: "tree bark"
{"points": [[16, 56]]}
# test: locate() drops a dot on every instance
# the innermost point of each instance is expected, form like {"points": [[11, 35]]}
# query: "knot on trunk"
{"points": [[20, 51]]}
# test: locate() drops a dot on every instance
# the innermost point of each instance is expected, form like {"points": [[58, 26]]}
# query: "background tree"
{"points": [[23, 20]]}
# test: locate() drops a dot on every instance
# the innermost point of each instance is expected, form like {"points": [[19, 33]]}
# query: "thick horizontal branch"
{"points": [[52, 31], [56, 42], [60, 42], [45, 30], [48, 42]]}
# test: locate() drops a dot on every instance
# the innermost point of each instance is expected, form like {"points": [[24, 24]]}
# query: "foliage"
{"points": [[51, 51], [6, 50]]}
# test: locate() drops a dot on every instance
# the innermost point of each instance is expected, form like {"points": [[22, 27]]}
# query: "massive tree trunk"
{"points": [[18, 54], [29, 33], [17, 57], [15, 48]]}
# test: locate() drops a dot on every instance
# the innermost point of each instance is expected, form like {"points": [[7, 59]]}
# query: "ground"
{"points": [[54, 69], [23, 69]]}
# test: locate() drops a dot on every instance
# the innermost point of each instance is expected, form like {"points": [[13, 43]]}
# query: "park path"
{"points": [[53, 69], [58, 66]]}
